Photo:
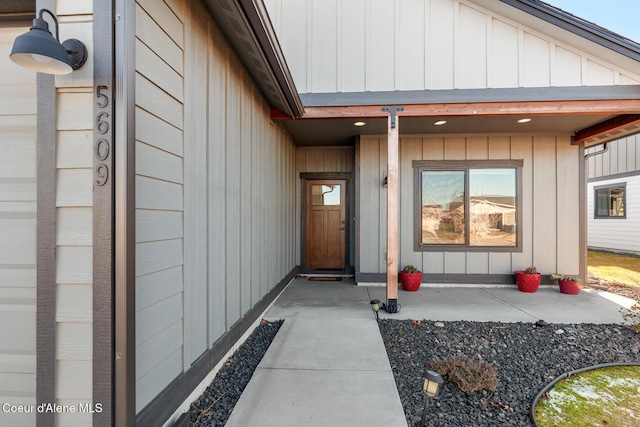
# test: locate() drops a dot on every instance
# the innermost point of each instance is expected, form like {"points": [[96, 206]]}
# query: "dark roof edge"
{"points": [[258, 17], [454, 96], [578, 26]]}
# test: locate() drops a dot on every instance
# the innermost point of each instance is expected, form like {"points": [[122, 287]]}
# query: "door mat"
{"points": [[325, 279]]}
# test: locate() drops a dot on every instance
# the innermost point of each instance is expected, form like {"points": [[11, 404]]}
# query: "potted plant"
{"points": [[410, 277], [528, 279], [569, 285]]}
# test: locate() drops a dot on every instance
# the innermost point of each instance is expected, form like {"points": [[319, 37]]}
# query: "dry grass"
{"points": [[469, 374], [615, 269]]}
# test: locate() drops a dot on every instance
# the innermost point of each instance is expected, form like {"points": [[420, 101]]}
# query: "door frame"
{"points": [[347, 177]]}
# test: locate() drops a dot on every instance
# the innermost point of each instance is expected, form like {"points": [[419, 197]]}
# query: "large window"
{"points": [[610, 201], [467, 205]]}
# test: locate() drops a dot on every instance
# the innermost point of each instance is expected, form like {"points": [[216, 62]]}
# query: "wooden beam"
{"points": [[608, 126], [536, 108], [392, 213]]}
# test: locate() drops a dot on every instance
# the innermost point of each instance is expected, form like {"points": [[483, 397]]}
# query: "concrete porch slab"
{"points": [[504, 304]]}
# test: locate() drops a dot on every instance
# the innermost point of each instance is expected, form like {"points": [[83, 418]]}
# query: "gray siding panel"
{"points": [[195, 189], [208, 227], [549, 203], [545, 204]]}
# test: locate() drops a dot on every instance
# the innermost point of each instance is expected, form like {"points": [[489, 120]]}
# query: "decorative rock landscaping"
{"points": [[526, 358]]}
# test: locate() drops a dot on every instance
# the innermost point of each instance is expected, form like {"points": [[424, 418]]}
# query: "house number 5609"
{"points": [[102, 147]]}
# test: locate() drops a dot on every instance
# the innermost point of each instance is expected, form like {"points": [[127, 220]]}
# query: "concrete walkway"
{"points": [[328, 365]]}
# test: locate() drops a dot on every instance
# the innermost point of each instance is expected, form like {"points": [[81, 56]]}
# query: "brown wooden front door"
{"points": [[325, 224]]}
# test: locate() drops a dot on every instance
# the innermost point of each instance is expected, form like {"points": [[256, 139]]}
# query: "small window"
{"points": [[610, 201], [467, 205], [325, 195]]}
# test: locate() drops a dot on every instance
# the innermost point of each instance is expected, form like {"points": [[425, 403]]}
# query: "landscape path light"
{"points": [[431, 387]]}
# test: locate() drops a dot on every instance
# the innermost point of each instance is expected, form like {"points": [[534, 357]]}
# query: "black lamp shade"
{"points": [[38, 50]]}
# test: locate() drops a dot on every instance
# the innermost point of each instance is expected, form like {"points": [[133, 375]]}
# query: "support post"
{"points": [[393, 198]]}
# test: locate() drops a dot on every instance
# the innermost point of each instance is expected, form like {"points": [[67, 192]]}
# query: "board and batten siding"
{"points": [[385, 45], [17, 232], [550, 203], [215, 186], [159, 139], [623, 156], [620, 164]]}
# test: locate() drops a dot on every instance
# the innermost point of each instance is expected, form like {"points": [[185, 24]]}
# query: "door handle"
{"points": [[341, 229]]}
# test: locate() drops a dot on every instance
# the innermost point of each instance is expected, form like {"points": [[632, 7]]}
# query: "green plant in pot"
{"points": [[528, 279], [568, 284], [410, 277]]}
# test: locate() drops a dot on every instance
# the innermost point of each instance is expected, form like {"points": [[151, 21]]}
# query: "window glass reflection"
{"points": [[325, 195], [492, 207], [443, 207]]}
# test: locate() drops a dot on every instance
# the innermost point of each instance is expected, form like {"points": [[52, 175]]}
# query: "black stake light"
{"points": [[38, 50], [376, 305], [431, 387]]}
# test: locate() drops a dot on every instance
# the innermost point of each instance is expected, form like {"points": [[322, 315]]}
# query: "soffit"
{"points": [[329, 118], [246, 25], [12, 10], [336, 132]]}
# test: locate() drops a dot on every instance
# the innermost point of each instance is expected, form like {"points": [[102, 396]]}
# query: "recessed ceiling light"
{"points": [[359, 124], [524, 120], [440, 122]]}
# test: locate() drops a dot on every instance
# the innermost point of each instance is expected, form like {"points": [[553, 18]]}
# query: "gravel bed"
{"points": [[525, 358], [215, 405]]}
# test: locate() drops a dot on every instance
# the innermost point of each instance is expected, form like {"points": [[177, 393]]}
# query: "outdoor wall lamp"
{"points": [[38, 50], [431, 387]]}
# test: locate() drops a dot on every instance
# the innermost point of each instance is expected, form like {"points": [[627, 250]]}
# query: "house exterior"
{"points": [[613, 196], [155, 201]]}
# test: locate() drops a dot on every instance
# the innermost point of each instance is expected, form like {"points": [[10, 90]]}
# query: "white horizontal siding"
{"points": [[615, 233], [17, 233], [381, 45], [74, 222]]}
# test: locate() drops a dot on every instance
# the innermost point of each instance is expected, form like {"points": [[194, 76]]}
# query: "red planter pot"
{"points": [[527, 282], [410, 281], [569, 287]]}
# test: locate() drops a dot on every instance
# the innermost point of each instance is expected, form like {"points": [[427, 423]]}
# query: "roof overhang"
{"points": [[17, 10], [248, 29], [592, 115], [578, 26]]}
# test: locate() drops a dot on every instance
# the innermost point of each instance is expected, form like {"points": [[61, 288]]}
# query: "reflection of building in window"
{"points": [[492, 224], [325, 195], [610, 201], [467, 206]]}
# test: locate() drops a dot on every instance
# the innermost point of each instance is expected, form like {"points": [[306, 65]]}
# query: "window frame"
{"points": [[464, 165], [622, 185]]}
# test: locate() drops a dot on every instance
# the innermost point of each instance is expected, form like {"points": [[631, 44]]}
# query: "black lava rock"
{"points": [[215, 405], [526, 358]]}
